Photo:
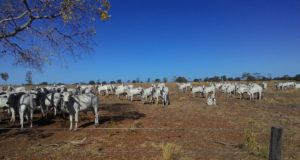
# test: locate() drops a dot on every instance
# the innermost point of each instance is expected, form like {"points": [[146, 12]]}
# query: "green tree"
{"points": [[65, 27], [112, 82], [196, 80], [224, 78], [92, 82], [297, 77], [119, 81], [181, 79], [157, 80]]}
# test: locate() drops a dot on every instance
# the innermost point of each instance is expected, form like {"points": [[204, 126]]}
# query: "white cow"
{"points": [[211, 100], [148, 92], [210, 89], [230, 90], [3, 103], [121, 90], [165, 96], [254, 88], [198, 89], [241, 90], [297, 86], [265, 86], [133, 92], [77, 103]]}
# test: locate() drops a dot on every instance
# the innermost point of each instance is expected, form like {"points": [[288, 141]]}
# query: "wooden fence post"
{"points": [[275, 143]]}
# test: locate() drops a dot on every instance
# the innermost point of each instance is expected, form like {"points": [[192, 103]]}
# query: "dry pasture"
{"points": [[186, 129]]}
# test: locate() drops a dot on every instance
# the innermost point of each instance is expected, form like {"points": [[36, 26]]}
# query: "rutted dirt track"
{"points": [[201, 131]]}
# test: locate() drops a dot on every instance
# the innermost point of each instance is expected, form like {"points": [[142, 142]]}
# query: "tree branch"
{"points": [[14, 18]]}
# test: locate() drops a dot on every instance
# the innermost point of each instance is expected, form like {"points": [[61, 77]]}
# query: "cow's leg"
{"points": [[55, 110], [96, 116], [21, 113], [42, 110], [13, 115], [76, 120], [193, 95], [31, 117], [71, 121]]}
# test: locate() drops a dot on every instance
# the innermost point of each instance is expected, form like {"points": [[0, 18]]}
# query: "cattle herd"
{"points": [[72, 100], [82, 98]]}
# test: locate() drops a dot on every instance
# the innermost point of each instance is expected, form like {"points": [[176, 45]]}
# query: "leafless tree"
{"points": [[35, 32], [28, 77]]}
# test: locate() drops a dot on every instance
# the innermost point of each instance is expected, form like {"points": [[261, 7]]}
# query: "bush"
{"points": [[157, 80], [181, 79], [44, 83], [170, 151], [297, 77], [196, 80], [92, 82], [250, 145], [112, 82]]}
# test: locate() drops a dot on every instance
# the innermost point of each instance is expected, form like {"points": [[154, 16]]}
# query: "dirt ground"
{"points": [[188, 127]]}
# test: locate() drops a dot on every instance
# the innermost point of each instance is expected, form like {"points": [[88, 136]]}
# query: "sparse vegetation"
{"points": [[181, 79], [250, 145], [170, 151], [110, 131]]}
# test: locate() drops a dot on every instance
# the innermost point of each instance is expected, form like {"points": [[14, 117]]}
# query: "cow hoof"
{"points": [[96, 125], [75, 129], [70, 129]]}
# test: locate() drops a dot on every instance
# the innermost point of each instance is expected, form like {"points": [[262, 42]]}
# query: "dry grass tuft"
{"points": [[170, 151], [250, 145], [132, 128]]}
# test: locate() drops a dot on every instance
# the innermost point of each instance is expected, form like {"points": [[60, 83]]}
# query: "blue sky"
{"points": [[191, 38]]}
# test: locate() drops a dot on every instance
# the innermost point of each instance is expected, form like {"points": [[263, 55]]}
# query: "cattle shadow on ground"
{"points": [[119, 113], [115, 108], [132, 115], [31, 133], [37, 121]]}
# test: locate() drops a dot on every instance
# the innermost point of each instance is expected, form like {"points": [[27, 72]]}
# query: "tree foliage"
{"points": [[35, 32], [92, 82], [4, 76], [180, 79]]}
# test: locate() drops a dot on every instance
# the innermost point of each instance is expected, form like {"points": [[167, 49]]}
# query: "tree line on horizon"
{"points": [[180, 79]]}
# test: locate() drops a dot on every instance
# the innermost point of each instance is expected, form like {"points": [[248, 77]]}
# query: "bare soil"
{"points": [[133, 130]]}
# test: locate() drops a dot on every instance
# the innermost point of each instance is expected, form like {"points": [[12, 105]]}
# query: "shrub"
{"points": [[92, 82], [250, 145], [43, 83], [170, 151], [196, 80], [112, 82], [157, 80], [181, 79]]}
